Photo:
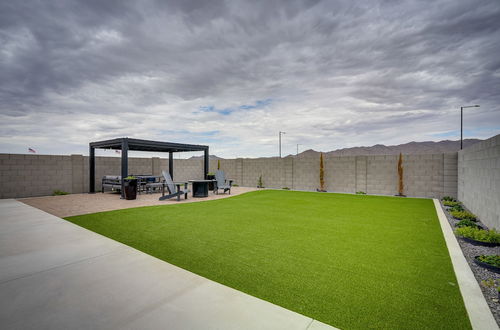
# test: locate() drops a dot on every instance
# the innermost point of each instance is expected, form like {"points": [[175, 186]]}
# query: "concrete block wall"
{"points": [[306, 172], [424, 175], [272, 171], [340, 173], [26, 175], [382, 175], [479, 180]]}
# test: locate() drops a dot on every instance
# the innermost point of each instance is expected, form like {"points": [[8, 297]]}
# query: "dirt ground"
{"points": [[75, 204]]}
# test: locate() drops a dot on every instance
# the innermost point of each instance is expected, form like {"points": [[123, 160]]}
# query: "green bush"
{"points": [[489, 236], [463, 215], [448, 198], [458, 208], [467, 223], [285, 188], [451, 204], [360, 193], [493, 260], [130, 177], [59, 193]]}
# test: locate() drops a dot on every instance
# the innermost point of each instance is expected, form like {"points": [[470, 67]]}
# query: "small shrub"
{"points": [[488, 236], [59, 193], [463, 215], [451, 204], [448, 198], [467, 223], [285, 188], [489, 283], [260, 183], [235, 185], [360, 193], [458, 208], [493, 260]]}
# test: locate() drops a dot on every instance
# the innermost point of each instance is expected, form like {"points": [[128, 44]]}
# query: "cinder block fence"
{"points": [[472, 175], [424, 175]]}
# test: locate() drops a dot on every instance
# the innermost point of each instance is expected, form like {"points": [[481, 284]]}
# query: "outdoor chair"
{"points": [[222, 183], [113, 182], [174, 189]]}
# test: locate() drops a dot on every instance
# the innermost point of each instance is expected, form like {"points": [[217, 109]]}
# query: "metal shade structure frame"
{"points": [[126, 144]]}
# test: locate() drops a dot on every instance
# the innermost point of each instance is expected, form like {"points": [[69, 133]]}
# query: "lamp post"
{"points": [[462, 123], [280, 140], [298, 149]]}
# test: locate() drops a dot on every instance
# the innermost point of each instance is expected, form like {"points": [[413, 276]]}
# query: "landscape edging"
{"points": [[477, 308]]}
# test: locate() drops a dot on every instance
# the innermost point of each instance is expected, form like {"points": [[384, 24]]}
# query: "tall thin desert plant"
{"points": [[321, 174], [218, 164], [400, 176]]}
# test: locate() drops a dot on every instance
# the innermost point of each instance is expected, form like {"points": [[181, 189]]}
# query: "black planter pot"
{"points": [[486, 265], [211, 184], [130, 188], [474, 242]]}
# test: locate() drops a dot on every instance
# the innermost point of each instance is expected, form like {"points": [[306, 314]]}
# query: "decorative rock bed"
{"points": [[485, 277]]}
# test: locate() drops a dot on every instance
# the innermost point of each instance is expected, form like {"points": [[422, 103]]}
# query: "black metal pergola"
{"points": [[126, 144]]}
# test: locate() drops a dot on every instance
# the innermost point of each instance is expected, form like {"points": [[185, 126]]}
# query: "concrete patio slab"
{"points": [[76, 204], [56, 275]]}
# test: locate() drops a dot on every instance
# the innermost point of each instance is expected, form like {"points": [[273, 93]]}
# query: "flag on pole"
{"points": [[31, 150]]}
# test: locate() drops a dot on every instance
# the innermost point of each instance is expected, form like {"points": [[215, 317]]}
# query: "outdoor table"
{"points": [[200, 187]]}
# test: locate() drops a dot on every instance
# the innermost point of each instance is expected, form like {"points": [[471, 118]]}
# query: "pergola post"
{"points": [[124, 164], [92, 170], [171, 164], [206, 163]]}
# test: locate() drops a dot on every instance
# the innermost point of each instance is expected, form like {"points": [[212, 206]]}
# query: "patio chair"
{"points": [[222, 183], [174, 189]]}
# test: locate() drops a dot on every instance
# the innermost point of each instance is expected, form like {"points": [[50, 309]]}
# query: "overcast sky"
{"points": [[232, 74]]}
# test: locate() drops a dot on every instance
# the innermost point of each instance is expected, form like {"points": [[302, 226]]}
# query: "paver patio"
{"points": [[56, 275], [76, 204]]}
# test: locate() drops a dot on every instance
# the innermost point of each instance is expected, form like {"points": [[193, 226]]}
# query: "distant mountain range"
{"points": [[427, 147]]}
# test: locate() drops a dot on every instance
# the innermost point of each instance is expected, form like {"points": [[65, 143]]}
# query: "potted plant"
{"points": [[130, 187], [490, 262], [211, 176]]}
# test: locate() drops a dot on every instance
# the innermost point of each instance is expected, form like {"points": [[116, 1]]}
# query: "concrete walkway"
{"points": [[56, 275]]}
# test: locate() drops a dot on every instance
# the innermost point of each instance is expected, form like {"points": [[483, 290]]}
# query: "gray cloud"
{"points": [[338, 73]]}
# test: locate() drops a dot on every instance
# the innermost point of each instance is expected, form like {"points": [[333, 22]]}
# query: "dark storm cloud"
{"points": [[83, 69]]}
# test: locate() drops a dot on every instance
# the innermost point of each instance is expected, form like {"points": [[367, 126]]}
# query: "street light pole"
{"points": [[462, 123], [280, 140]]}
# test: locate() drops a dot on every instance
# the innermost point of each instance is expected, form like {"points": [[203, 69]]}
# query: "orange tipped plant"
{"points": [[400, 175], [321, 174]]}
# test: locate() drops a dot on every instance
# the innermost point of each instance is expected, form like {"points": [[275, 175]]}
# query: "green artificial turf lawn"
{"points": [[351, 261]]}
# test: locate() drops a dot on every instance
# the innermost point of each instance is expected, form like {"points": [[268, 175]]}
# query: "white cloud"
{"points": [[335, 74]]}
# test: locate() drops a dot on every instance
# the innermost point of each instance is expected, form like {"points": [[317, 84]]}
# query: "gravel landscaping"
{"points": [[482, 274]]}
